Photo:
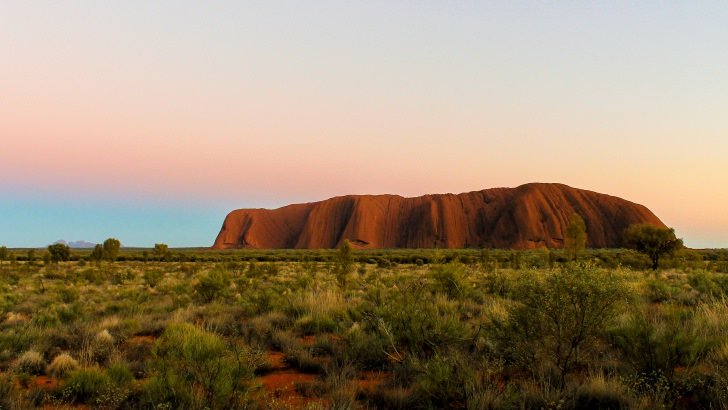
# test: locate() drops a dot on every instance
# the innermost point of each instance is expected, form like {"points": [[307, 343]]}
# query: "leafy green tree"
{"points": [[98, 253], [161, 251], [31, 256], [653, 241], [111, 249], [59, 252], [575, 238]]}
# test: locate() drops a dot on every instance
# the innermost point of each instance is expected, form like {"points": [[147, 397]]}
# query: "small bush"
{"points": [[30, 362], [599, 392], [62, 365], [104, 337], [318, 311], [450, 280], [212, 285], [102, 346], [119, 374], [85, 385], [152, 277], [559, 315], [199, 367], [68, 294]]}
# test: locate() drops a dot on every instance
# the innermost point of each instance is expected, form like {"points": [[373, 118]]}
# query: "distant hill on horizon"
{"points": [[80, 244], [530, 216]]}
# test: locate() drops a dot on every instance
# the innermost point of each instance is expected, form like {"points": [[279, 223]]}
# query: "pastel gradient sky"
{"points": [[150, 120]]}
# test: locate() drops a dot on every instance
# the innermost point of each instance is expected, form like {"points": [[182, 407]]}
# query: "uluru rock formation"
{"points": [[529, 216]]}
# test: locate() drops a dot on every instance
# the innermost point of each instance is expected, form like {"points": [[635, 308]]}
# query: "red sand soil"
{"points": [[527, 217], [45, 382], [280, 384], [42, 382], [370, 380], [142, 339], [308, 340], [276, 360], [285, 381]]}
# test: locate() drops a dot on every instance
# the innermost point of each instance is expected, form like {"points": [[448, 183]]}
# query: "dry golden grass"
{"points": [[62, 365]]}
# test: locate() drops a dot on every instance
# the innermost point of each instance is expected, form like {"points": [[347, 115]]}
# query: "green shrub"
{"points": [[20, 338], [659, 339], [706, 283], [46, 318], [440, 381], [407, 318], [152, 277], [317, 311], [450, 279], [102, 346], [212, 285], [86, 385], [310, 325], [365, 349], [119, 373], [68, 294], [659, 291], [198, 367], [560, 313]]}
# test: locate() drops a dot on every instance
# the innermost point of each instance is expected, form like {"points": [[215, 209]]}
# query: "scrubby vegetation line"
{"points": [[364, 329]]}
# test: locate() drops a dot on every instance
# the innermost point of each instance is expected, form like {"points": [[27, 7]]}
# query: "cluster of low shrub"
{"points": [[381, 329]]}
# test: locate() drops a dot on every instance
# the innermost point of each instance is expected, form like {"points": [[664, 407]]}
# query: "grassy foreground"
{"points": [[382, 330]]}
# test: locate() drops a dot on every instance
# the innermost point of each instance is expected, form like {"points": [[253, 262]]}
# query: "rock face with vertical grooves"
{"points": [[529, 216]]}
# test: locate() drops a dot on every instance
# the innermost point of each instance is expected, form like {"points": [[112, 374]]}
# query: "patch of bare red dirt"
{"points": [[143, 339], [45, 382], [308, 340], [276, 360], [285, 381], [370, 380], [41, 382], [282, 383]]}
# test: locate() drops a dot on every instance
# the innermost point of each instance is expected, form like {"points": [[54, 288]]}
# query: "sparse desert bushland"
{"points": [[459, 328]]}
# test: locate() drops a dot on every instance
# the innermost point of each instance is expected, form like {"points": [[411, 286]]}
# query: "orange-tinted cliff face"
{"points": [[529, 216]]}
